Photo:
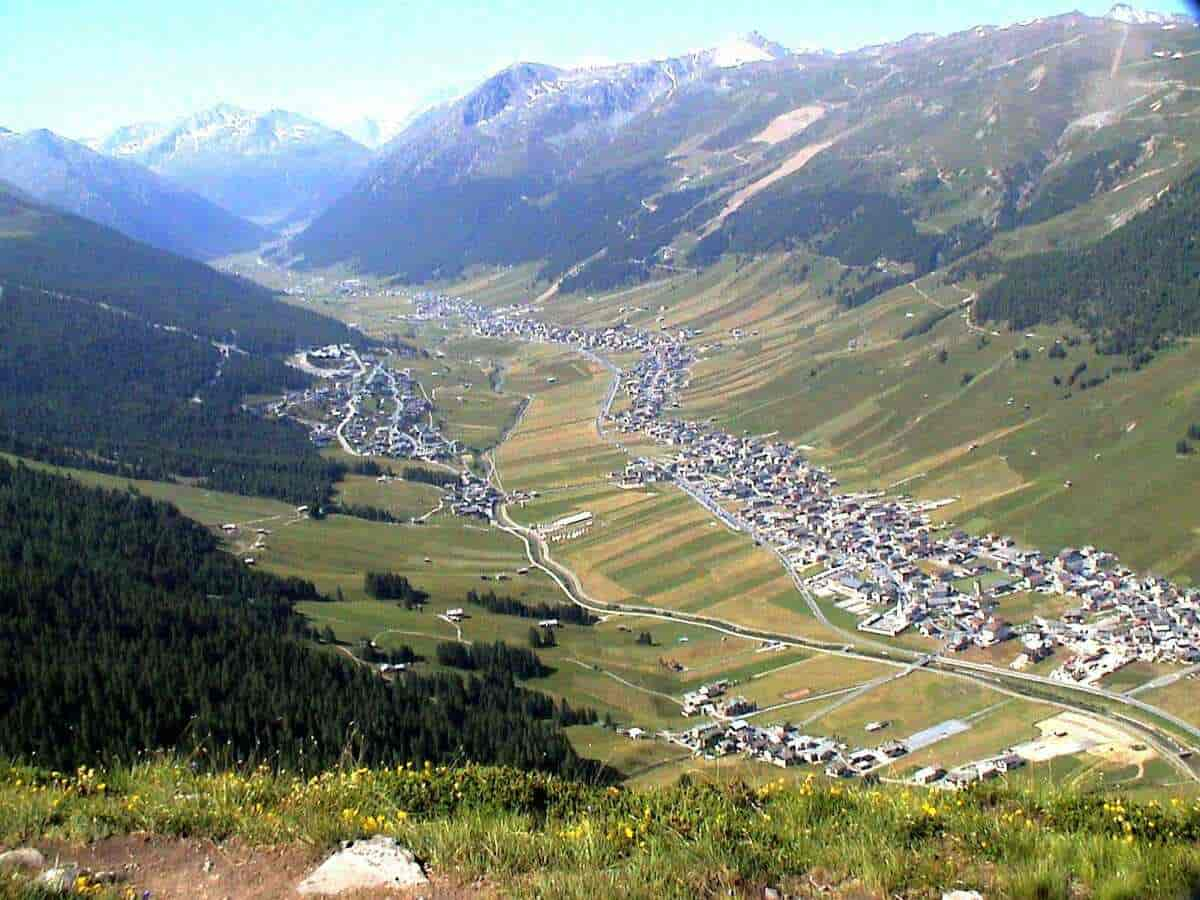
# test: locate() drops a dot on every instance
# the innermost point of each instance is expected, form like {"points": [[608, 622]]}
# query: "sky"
{"points": [[84, 67]]}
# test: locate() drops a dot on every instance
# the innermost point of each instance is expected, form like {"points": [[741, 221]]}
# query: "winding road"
{"points": [[1002, 681]]}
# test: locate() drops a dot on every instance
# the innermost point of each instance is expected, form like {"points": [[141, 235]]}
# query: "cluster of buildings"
{"points": [[964, 776], [882, 557], [785, 746], [472, 496], [710, 700], [369, 408]]}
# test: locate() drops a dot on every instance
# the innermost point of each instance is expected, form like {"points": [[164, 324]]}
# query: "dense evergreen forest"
{"points": [[108, 360], [1132, 290], [92, 387], [124, 627], [58, 252], [510, 606]]}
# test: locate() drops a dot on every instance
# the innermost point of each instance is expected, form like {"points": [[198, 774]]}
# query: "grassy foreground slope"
{"points": [[487, 830]]}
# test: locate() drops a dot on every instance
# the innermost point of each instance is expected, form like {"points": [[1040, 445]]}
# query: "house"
{"points": [[994, 631], [962, 778], [893, 749], [736, 706], [1007, 762], [928, 775]]}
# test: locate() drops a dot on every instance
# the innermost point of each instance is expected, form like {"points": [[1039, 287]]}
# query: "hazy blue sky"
{"points": [[81, 67]]}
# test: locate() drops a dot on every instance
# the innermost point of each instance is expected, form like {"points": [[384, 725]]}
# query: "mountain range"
{"points": [[912, 152], [122, 195], [906, 154], [275, 168]]}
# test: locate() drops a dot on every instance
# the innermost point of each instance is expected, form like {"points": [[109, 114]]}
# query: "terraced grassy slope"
{"points": [[555, 444], [929, 413]]}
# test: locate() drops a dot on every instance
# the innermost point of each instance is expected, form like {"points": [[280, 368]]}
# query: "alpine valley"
{"points": [[757, 471]]}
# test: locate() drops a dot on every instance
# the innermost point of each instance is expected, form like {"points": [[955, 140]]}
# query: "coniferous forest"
{"points": [[124, 628], [86, 386], [1132, 290], [119, 357]]}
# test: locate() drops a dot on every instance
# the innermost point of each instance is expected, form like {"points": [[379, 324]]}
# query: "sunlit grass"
{"points": [[535, 835]]}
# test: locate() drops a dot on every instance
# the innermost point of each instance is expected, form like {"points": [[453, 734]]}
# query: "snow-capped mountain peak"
{"points": [[1131, 15], [747, 48], [271, 166]]}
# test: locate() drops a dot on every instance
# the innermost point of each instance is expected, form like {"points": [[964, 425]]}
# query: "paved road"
{"points": [[990, 676]]}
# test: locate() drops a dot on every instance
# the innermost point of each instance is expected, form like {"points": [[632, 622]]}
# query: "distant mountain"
{"points": [[375, 132], [1130, 15], [275, 167], [122, 195], [894, 159]]}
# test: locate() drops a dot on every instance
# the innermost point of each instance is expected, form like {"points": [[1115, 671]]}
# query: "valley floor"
{"points": [[654, 548]]}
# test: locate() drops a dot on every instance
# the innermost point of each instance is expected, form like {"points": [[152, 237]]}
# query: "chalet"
{"points": [[928, 775]]}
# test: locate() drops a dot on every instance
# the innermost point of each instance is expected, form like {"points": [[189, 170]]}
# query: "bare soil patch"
{"points": [[789, 166], [789, 124], [194, 869]]}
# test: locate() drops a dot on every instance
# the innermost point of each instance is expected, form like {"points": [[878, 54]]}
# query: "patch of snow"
{"points": [[1131, 15], [736, 53]]}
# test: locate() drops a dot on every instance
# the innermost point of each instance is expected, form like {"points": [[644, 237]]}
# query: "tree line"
{"points": [[517, 661], [392, 586], [569, 613]]}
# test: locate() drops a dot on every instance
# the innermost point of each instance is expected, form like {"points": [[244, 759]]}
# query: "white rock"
{"points": [[60, 879], [360, 865], [962, 895], [22, 858]]}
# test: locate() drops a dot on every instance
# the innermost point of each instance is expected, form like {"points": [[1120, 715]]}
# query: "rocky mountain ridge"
{"points": [[611, 172], [122, 195], [274, 167]]}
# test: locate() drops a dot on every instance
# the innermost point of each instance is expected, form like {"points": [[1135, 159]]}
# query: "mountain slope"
{"points": [[1131, 289], [115, 355], [122, 195], [895, 159], [45, 249], [276, 167], [462, 182]]}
